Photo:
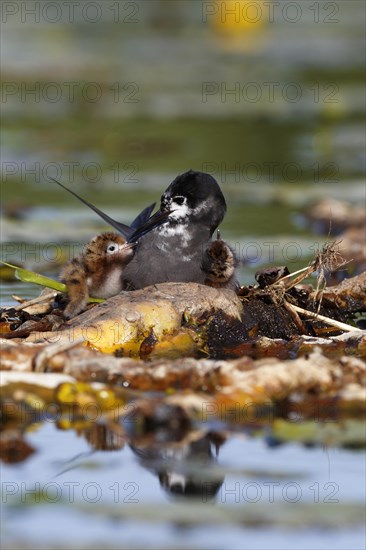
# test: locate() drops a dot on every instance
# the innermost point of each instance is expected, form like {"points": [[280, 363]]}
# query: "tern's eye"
{"points": [[111, 248], [179, 200]]}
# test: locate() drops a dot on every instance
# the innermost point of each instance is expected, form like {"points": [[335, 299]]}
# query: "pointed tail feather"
{"points": [[126, 230]]}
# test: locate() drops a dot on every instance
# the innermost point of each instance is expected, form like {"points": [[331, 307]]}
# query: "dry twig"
{"points": [[328, 259], [318, 317], [38, 300]]}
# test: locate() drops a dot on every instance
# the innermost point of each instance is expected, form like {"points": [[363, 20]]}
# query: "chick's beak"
{"points": [[130, 246]]}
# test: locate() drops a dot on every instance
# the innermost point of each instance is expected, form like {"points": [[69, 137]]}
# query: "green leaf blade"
{"points": [[30, 277]]}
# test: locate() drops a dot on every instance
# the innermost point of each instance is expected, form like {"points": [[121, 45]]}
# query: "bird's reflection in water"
{"points": [[183, 459], [106, 437], [184, 468], [166, 443]]}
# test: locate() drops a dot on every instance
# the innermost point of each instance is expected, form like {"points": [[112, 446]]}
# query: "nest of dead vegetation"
{"points": [[188, 319]]}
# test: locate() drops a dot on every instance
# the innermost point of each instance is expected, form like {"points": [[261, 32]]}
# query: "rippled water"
{"points": [[115, 498]]}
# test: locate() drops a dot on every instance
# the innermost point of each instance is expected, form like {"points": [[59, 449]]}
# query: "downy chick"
{"points": [[96, 272], [219, 263]]}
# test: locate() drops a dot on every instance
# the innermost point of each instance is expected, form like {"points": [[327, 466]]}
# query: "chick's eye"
{"points": [[179, 200], [111, 248]]}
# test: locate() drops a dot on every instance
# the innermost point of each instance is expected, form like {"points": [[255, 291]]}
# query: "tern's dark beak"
{"points": [[157, 219]]}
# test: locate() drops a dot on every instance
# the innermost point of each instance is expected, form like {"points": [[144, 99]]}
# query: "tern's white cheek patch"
{"points": [[180, 211]]}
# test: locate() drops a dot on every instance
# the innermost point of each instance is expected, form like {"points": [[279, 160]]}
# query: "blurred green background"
{"points": [[116, 98]]}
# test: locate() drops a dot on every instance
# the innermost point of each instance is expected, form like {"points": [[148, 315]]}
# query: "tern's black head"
{"points": [[194, 197]]}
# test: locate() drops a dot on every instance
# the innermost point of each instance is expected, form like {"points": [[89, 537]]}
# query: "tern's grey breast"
{"points": [[158, 260]]}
